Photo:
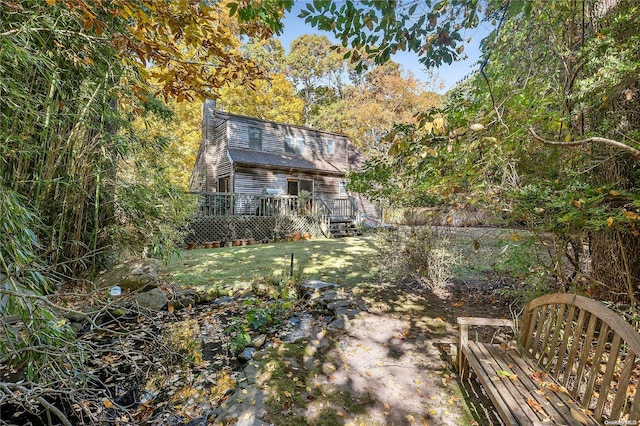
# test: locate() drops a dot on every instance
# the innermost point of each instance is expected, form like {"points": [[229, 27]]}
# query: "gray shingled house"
{"points": [[251, 167]]}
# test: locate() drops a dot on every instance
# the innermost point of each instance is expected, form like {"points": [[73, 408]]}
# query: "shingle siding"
{"points": [[225, 152]]}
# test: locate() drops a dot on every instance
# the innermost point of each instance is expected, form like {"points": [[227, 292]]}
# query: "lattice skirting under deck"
{"points": [[227, 228]]}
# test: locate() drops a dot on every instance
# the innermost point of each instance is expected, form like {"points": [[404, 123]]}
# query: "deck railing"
{"points": [[244, 204]]}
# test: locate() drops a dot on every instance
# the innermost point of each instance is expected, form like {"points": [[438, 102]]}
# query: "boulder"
{"points": [[247, 354], [136, 275], [153, 299]]}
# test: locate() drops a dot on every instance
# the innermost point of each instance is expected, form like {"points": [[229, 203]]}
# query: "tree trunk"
{"points": [[615, 262]]}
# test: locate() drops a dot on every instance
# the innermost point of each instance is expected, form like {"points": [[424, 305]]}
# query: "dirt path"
{"points": [[390, 365], [398, 364]]}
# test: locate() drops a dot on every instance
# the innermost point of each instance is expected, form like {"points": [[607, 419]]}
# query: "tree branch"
{"points": [[605, 141]]}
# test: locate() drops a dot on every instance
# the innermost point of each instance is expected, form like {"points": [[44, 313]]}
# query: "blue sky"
{"points": [[447, 75]]}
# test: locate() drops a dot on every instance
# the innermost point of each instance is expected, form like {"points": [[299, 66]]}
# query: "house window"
{"points": [[255, 138], [342, 188], [294, 186], [223, 184], [295, 145], [329, 146]]}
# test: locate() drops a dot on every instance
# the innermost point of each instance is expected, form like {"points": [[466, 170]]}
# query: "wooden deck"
{"points": [[243, 204]]}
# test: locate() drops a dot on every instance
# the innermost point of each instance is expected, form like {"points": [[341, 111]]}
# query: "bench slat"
{"points": [[559, 402], [523, 398], [597, 358], [484, 372], [562, 352], [587, 339], [608, 376], [558, 320], [590, 356], [579, 328], [621, 397]]}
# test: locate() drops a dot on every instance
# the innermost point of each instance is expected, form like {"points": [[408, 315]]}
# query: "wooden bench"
{"points": [[575, 362]]}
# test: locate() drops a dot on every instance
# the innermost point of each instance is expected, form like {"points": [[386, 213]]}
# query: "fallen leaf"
{"points": [[107, 403], [579, 416]]}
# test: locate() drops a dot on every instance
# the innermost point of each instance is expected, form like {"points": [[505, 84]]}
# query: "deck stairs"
{"points": [[342, 214]]}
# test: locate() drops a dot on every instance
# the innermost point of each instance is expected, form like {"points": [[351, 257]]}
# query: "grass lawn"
{"points": [[225, 271]]}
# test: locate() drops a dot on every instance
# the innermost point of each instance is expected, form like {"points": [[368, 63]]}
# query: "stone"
{"points": [[247, 354], [330, 296], [183, 302], [346, 312], [337, 325], [338, 304], [153, 299], [132, 276], [258, 341], [77, 327], [328, 368], [303, 328], [316, 285]]}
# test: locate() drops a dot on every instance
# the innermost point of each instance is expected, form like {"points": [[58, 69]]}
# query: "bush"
{"points": [[417, 252]]}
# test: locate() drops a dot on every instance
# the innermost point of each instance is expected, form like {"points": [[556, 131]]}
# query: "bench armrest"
{"points": [[496, 322], [464, 323]]}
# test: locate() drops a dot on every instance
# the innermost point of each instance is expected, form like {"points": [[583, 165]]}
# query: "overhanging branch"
{"points": [[605, 141]]}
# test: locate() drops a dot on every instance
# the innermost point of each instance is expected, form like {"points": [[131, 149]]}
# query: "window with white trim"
{"points": [[342, 188], [295, 145], [329, 146], [255, 138]]}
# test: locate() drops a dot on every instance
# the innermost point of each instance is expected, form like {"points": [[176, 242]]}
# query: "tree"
{"points": [[271, 97], [75, 175], [310, 61], [565, 70]]}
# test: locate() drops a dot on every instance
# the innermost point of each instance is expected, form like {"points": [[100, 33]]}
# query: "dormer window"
{"points": [[329, 146], [255, 138], [295, 145]]}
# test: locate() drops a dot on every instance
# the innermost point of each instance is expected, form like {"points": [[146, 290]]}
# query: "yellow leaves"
{"points": [[535, 405], [579, 415], [609, 221], [106, 402], [51, 2], [577, 203], [631, 215]]}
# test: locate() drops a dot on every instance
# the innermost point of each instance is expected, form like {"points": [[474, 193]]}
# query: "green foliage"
{"points": [[374, 30], [260, 315], [23, 281]]}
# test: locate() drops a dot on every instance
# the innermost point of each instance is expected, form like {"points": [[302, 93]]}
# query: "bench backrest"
{"points": [[587, 348]]}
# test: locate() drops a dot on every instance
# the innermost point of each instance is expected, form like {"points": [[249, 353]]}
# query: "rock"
{"points": [[77, 327], [343, 312], [330, 296], [316, 285], [183, 302], [247, 354], [303, 328], [328, 368], [336, 325], [75, 316], [132, 276], [153, 299], [258, 341], [337, 304]]}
